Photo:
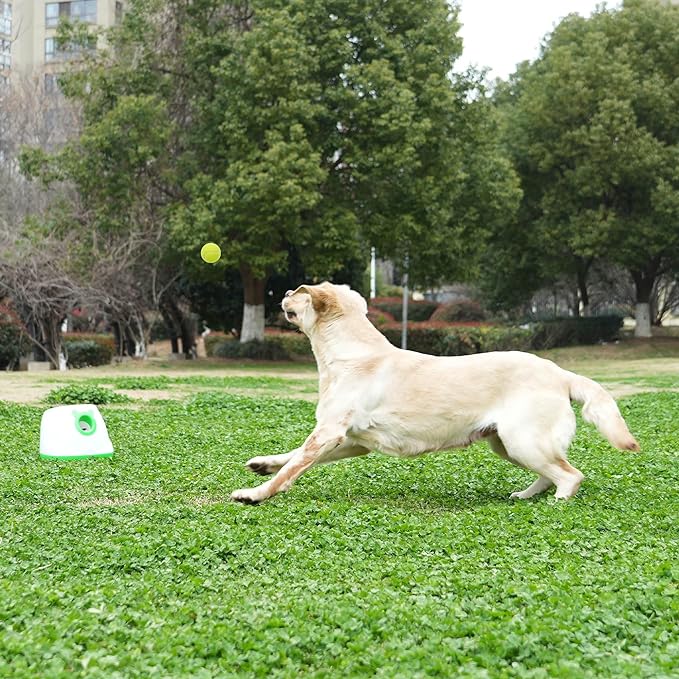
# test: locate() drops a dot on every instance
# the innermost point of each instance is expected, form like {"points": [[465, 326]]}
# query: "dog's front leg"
{"points": [[322, 442]]}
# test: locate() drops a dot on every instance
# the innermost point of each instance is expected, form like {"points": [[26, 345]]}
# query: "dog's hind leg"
{"points": [[539, 443], [540, 485]]}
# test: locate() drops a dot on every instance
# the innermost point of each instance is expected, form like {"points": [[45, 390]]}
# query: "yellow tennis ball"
{"points": [[210, 252]]}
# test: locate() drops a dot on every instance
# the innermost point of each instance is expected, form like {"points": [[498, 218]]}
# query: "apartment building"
{"points": [[28, 35], [5, 41]]}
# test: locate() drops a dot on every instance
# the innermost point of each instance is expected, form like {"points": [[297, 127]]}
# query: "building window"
{"points": [[6, 18], [51, 83], [5, 53], [78, 10], [50, 49], [70, 51], [85, 11]]}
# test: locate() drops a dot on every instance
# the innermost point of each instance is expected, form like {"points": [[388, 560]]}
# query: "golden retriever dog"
{"points": [[376, 397]]}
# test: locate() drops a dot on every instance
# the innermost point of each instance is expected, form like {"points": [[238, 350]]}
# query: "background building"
{"points": [[28, 34]]}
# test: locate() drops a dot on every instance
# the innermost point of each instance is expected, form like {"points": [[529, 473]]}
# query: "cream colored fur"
{"points": [[374, 396]]}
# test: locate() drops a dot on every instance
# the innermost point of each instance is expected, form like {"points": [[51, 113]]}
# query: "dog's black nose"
{"points": [[288, 293]]}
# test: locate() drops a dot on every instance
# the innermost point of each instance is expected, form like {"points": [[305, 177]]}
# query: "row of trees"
{"points": [[266, 126], [300, 133], [592, 127]]}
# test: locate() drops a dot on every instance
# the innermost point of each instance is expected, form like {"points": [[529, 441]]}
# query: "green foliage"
{"points": [[460, 310], [277, 125], [459, 340], [381, 566], [564, 332], [379, 317], [266, 350], [75, 393], [441, 339], [593, 128], [137, 382], [88, 350], [295, 344], [278, 347], [13, 339], [417, 311], [214, 339]]}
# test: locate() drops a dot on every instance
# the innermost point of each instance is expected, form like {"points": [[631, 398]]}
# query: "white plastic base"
{"points": [[74, 432]]}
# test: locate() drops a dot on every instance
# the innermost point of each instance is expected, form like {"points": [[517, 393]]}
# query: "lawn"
{"points": [[137, 566]]}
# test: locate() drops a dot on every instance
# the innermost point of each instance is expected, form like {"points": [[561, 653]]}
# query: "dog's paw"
{"points": [[519, 495], [260, 466], [248, 496]]}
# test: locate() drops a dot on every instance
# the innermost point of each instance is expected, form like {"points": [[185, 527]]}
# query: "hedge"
{"points": [[378, 317], [213, 339], [460, 310], [83, 350], [564, 332], [459, 340], [436, 337], [274, 347], [454, 340], [14, 342], [417, 311]]}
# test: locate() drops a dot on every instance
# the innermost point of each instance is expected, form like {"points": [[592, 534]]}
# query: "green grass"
{"points": [[267, 383], [655, 381], [84, 393], [137, 566]]}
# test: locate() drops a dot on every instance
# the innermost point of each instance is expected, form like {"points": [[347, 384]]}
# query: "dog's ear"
{"points": [[324, 301]]}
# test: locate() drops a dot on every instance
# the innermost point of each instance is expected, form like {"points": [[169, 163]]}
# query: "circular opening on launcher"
{"points": [[86, 424]]}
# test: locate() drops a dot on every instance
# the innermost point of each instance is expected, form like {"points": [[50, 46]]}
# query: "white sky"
{"points": [[499, 34]]}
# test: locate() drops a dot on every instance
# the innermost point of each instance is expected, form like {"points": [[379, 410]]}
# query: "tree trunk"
{"points": [[253, 308], [642, 315], [172, 331], [643, 282], [188, 327], [583, 272]]}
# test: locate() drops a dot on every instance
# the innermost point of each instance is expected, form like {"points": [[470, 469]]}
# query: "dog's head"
{"points": [[311, 305]]}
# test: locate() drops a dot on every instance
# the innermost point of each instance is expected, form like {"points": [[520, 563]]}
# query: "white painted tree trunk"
{"points": [[253, 323], [643, 318]]}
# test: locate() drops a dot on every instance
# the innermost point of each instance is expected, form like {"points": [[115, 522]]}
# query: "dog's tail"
{"points": [[602, 411]]}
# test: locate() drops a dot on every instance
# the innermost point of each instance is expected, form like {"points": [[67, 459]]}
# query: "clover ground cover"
{"points": [[137, 565]]}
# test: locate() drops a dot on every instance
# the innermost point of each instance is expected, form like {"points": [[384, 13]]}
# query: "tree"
{"points": [[34, 274], [594, 126], [269, 125]]}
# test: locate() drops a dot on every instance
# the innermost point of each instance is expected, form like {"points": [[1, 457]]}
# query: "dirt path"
{"points": [[616, 374]]}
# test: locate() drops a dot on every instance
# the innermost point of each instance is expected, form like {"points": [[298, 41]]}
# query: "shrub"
{"points": [[563, 332], [417, 311], [378, 317], [460, 310], [281, 346], [213, 339], [391, 291], [13, 339], [141, 383], [295, 344], [84, 393], [458, 340], [88, 350], [265, 350]]}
